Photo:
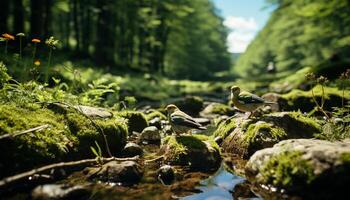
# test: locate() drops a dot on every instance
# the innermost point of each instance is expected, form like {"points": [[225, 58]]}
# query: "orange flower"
{"points": [[37, 63], [35, 40], [8, 36]]}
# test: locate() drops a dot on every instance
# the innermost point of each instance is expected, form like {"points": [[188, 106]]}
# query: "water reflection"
{"points": [[217, 187]]}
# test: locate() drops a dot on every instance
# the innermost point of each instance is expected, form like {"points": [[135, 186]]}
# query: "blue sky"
{"points": [[244, 18]]}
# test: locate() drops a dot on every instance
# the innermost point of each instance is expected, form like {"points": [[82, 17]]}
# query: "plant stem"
{"points": [[48, 67], [20, 48], [6, 42], [34, 51], [342, 98]]}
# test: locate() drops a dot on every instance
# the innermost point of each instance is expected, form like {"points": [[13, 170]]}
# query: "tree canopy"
{"points": [[172, 37], [299, 33]]}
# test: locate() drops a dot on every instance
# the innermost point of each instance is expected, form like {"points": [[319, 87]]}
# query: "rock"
{"points": [[202, 121], [198, 152], [303, 100], [168, 130], [216, 109], [272, 97], [132, 149], [136, 120], [150, 134], [166, 174], [59, 191], [218, 140], [303, 166], [245, 136], [190, 104], [127, 172], [155, 122], [93, 111]]}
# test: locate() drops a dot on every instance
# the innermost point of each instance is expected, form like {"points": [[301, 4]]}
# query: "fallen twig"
{"points": [[154, 159], [32, 172], [12, 135]]}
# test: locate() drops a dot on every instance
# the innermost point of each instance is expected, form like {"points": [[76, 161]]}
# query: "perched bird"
{"points": [[180, 121], [246, 101]]}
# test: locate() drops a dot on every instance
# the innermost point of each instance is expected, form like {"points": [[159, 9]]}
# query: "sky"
{"points": [[244, 18]]}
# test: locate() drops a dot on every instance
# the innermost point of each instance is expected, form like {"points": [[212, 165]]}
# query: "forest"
{"points": [[158, 36], [103, 99]]}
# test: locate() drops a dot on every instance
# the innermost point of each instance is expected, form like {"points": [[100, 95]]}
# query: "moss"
{"points": [[136, 120], [291, 81], [287, 169], [33, 148], [307, 121], [345, 158], [155, 113], [87, 133], [192, 150], [220, 109], [68, 137], [261, 135], [225, 128], [298, 99]]}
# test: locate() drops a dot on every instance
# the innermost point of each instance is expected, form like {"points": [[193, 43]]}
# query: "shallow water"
{"points": [[219, 186]]}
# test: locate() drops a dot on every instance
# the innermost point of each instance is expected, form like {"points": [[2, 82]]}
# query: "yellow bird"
{"points": [[246, 101], [180, 121]]}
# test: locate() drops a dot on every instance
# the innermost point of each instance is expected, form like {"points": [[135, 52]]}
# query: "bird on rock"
{"points": [[180, 121], [246, 101]]}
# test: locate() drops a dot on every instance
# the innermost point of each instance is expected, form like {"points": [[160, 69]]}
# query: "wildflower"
{"points": [[345, 75], [310, 76], [51, 42], [20, 34], [8, 36], [322, 80], [37, 63], [35, 40]]}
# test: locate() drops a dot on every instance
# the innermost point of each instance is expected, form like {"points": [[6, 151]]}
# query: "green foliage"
{"points": [[4, 77], [299, 33], [287, 169]]}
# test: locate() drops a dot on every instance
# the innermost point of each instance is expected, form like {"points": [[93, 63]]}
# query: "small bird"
{"points": [[180, 121], [246, 101]]}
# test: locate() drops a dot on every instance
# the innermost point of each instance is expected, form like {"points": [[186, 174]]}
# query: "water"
{"points": [[218, 186]]}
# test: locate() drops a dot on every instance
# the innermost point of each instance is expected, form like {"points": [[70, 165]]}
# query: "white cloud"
{"points": [[241, 23], [243, 31]]}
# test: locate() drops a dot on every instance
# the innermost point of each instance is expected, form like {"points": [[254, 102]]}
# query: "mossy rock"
{"points": [[217, 109], [198, 152], [151, 114], [303, 100], [305, 167], [87, 132], [225, 128], [251, 135], [136, 120], [69, 136], [190, 104]]}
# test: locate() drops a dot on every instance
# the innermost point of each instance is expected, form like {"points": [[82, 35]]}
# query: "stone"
{"points": [[272, 97], [132, 149], [150, 134], [127, 172], [246, 136], [94, 111], [59, 191], [303, 166], [155, 122], [214, 110], [202, 121], [198, 152], [166, 174]]}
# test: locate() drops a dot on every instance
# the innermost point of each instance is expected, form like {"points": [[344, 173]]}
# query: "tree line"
{"points": [[179, 38], [301, 33]]}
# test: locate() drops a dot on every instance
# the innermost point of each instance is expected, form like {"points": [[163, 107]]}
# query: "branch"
{"points": [[32, 172], [12, 135]]}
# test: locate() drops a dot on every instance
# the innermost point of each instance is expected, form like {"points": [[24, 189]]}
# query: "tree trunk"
{"points": [[36, 19], [3, 16], [18, 13], [104, 47]]}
